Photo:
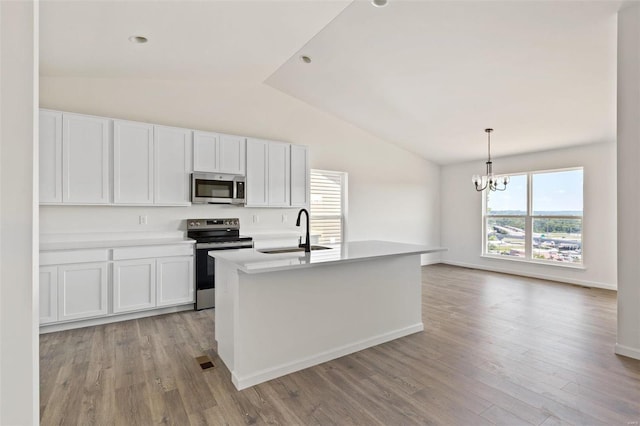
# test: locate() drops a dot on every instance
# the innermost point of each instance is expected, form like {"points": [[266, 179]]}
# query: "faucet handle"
{"points": [[300, 241]]}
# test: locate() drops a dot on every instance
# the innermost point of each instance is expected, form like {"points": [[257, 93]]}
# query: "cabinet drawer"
{"points": [[152, 251], [73, 256]]}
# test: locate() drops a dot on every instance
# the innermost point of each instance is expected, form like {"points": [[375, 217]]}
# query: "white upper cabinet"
{"points": [[257, 177], [231, 154], [96, 160], [299, 176], [85, 159], [279, 172], [218, 153], [172, 165], [205, 152], [133, 163], [50, 156]]}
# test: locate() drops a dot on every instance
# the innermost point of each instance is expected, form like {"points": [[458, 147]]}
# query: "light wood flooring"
{"points": [[497, 349]]}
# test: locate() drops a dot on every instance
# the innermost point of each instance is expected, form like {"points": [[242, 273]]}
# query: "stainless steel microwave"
{"points": [[214, 188]]}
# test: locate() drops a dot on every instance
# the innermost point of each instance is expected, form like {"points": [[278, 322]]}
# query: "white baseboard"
{"points": [[430, 259], [50, 328], [300, 364], [583, 283], [627, 351]]}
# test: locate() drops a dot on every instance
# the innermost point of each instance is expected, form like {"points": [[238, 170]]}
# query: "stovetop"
{"points": [[221, 239], [215, 230]]}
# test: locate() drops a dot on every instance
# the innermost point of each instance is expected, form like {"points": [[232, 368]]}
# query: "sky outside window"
{"points": [[558, 193], [513, 201]]}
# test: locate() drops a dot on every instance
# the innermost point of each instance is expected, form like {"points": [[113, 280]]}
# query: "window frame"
{"points": [[529, 218]]}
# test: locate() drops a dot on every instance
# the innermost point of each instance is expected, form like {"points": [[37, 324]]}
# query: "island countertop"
{"points": [[252, 261]]}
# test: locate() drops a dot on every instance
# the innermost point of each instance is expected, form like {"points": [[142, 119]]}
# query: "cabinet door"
{"points": [[175, 280], [132, 162], [172, 165], [82, 291], [205, 152], [85, 155], [134, 285], [299, 176], [257, 178], [231, 154], [279, 174], [48, 294], [50, 145]]}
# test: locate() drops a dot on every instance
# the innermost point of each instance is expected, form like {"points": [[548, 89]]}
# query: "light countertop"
{"points": [[252, 261]]}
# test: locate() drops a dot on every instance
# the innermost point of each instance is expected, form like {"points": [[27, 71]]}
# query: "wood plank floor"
{"points": [[497, 349]]}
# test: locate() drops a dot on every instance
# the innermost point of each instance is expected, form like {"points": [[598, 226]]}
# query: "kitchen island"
{"points": [[282, 312]]}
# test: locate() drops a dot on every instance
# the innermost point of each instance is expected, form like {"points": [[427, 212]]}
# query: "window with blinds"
{"points": [[328, 200]]}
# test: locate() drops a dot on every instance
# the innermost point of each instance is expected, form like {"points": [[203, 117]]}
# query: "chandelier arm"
{"points": [[483, 188]]}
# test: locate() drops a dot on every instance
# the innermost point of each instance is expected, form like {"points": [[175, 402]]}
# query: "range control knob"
{"points": [[191, 223], [197, 223]]}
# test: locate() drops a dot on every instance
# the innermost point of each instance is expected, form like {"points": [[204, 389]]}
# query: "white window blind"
{"points": [[328, 205]]}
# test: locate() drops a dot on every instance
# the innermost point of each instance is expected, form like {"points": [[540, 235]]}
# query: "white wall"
{"points": [[462, 214], [393, 194], [628, 339], [18, 216]]}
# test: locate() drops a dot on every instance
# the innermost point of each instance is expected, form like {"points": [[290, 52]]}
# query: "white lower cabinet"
{"points": [[134, 285], [48, 294], [82, 291], [142, 278], [175, 280]]}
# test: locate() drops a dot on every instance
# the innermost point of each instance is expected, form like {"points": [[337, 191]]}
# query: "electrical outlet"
{"points": [[142, 219], [256, 218], [284, 218]]}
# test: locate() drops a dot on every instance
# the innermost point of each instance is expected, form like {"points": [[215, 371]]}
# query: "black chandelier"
{"points": [[494, 183]]}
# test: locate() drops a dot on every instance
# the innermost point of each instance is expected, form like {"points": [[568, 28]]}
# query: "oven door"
{"points": [[205, 279], [206, 271]]}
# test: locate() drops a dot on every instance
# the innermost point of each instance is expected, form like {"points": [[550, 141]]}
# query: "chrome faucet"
{"points": [[307, 243]]}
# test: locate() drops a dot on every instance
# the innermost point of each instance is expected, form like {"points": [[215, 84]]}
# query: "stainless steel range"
{"points": [[212, 234]]}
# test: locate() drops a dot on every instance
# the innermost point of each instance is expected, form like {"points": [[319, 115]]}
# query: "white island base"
{"points": [[273, 320]]}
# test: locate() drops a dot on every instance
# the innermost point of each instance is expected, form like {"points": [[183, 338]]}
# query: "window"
{"points": [[328, 205], [538, 218]]}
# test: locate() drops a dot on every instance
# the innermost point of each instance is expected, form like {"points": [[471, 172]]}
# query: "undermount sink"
{"points": [[291, 249]]}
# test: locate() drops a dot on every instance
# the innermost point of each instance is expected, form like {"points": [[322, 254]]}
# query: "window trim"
{"points": [[529, 217]]}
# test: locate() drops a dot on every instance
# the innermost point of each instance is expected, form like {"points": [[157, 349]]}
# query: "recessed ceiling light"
{"points": [[138, 39], [305, 59], [379, 3]]}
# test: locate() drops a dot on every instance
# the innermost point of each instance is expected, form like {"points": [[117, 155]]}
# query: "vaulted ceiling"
{"points": [[428, 76]]}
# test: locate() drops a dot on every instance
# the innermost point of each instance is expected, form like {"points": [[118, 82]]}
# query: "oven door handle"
{"points": [[234, 245]]}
